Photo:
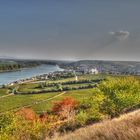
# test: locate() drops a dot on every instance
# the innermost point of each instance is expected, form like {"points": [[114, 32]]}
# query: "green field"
{"points": [[111, 96], [3, 92], [79, 95], [30, 87], [18, 101]]}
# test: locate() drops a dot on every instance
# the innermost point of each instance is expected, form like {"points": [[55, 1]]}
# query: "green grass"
{"points": [[16, 101], [108, 99], [3, 91], [79, 95], [30, 87]]}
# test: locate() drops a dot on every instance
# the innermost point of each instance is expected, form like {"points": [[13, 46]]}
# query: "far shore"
{"points": [[5, 71], [28, 79]]}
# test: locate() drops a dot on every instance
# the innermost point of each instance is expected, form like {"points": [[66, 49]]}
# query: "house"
{"points": [[93, 71], [87, 69]]}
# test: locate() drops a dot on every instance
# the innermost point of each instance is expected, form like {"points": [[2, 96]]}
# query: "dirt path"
{"points": [[35, 103], [51, 98], [11, 94], [38, 102]]}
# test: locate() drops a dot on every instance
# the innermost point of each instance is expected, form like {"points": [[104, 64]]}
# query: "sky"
{"points": [[70, 29]]}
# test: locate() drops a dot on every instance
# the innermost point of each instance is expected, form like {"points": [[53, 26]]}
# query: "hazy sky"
{"points": [[70, 29]]}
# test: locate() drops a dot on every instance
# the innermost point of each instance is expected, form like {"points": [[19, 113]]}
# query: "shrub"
{"points": [[59, 87], [43, 117], [27, 113], [81, 118], [68, 126], [120, 93], [13, 127], [65, 108], [90, 107], [109, 107]]}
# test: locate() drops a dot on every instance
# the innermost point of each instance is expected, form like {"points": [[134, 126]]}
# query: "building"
{"points": [[87, 70], [93, 71]]}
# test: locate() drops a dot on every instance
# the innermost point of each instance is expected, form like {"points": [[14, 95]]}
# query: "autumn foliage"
{"points": [[27, 113], [65, 108], [43, 117]]}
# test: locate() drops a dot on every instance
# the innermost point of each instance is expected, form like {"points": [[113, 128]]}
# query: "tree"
{"points": [[59, 87], [27, 113], [14, 91], [119, 92], [65, 108]]}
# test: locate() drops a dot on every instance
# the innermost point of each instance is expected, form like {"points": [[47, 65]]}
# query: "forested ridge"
{"points": [[12, 66]]}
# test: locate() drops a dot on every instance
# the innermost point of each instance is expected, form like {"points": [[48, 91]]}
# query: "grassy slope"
{"points": [[3, 92], [12, 102], [79, 95], [126, 127], [17, 101]]}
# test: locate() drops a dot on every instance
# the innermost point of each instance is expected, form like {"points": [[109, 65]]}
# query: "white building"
{"points": [[93, 71], [85, 69]]}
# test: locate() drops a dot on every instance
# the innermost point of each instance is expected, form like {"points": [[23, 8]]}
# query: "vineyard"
{"points": [[59, 110]]}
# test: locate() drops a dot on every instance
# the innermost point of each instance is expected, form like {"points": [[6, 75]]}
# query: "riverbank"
{"points": [[27, 74], [20, 69], [41, 77], [6, 71]]}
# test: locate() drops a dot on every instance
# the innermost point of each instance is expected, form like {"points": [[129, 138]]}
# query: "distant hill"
{"points": [[125, 67], [105, 66], [12, 64]]}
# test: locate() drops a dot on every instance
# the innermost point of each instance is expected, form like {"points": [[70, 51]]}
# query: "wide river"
{"points": [[8, 77]]}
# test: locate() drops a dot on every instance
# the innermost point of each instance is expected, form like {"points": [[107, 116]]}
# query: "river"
{"points": [[8, 77]]}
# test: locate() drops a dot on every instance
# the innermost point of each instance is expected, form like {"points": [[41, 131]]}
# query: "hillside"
{"points": [[123, 67], [7, 65], [126, 127], [63, 105], [13, 65], [130, 67]]}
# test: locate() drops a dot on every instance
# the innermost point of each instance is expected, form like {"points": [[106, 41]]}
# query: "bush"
{"points": [[13, 127], [27, 113], [65, 108], [119, 93], [90, 107], [59, 87], [68, 126], [81, 118]]}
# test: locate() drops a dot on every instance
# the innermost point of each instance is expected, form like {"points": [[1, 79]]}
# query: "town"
{"points": [[73, 71]]}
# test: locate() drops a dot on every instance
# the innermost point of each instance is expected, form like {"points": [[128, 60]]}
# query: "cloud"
{"points": [[120, 35]]}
